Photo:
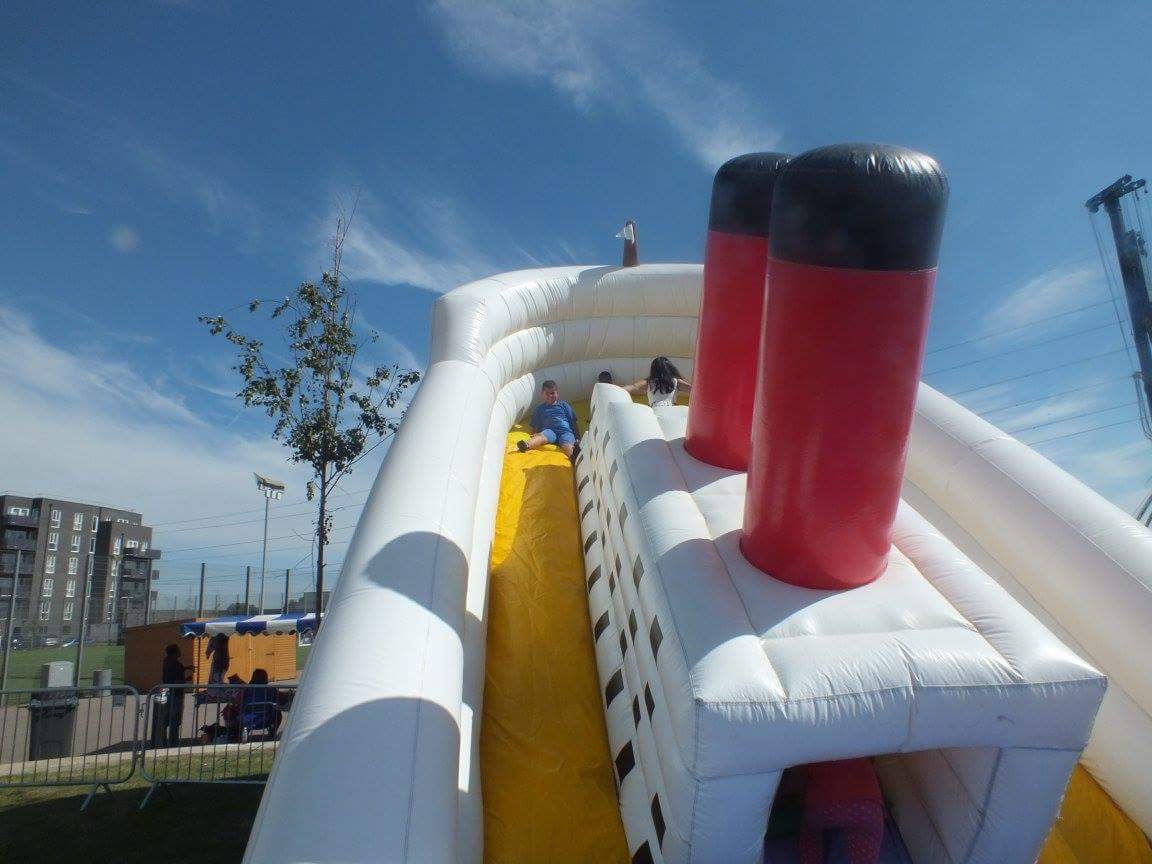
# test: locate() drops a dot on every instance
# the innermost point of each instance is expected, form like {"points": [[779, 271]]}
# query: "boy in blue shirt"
{"points": [[553, 421]]}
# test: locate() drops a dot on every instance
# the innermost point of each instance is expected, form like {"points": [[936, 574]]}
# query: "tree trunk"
{"points": [[322, 541]]}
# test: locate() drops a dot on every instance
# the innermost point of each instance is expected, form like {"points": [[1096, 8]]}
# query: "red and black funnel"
{"points": [[728, 340], [854, 241]]}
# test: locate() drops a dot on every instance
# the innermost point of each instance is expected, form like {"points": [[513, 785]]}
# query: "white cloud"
{"points": [[83, 426], [124, 239], [1058, 290], [1049, 411], [420, 239], [604, 52]]}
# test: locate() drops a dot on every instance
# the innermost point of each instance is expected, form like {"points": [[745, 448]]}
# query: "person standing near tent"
{"points": [[173, 674], [217, 652]]}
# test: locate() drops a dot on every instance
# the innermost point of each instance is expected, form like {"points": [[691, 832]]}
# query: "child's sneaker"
{"points": [[522, 446]]}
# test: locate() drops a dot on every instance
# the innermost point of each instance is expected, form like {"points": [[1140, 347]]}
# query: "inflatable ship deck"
{"points": [[532, 659]]}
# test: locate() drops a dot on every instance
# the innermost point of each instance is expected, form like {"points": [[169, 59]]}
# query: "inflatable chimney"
{"points": [[728, 340], [852, 249]]}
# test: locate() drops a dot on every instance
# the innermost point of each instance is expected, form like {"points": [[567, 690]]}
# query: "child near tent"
{"points": [[553, 422]]}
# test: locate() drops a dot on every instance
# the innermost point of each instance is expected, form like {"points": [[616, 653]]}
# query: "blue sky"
{"points": [[164, 160]]}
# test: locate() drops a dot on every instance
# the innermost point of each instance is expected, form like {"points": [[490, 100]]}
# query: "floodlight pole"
{"points": [[264, 556], [271, 489]]}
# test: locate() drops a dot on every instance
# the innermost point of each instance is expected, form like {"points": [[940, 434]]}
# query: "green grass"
{"points": [[197, 823], [24, 665]]}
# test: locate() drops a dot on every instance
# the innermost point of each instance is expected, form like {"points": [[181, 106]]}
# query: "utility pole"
{"points": [[1131, 252], [200, 604], [287, 580], [247, 589], [84, 618]]}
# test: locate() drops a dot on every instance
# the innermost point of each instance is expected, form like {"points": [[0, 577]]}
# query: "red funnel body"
{"points": [[853, 245], [837, 389], [727, 348], [728, 341]]}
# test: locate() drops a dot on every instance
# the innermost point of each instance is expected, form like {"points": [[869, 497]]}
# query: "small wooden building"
{"points": [[144, 654]]}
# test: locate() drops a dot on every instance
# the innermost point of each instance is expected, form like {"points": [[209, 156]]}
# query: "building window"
{"points": [[132, 544], [70, 588], [46, 587], [55, 518], [49, 563], [78, 522], [75, 542], [45, 610], [53, 540], [143, 546], [19, 511], [73, 565], [116, 548], [92, 546], [123, 521], [95, 522], [114, 573], [69, 608]]}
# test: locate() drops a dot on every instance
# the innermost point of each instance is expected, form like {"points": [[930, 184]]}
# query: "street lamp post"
{"points": [[272, 489]]}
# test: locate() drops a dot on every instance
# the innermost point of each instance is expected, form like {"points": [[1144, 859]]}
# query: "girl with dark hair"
{"points": [[664, 381]]}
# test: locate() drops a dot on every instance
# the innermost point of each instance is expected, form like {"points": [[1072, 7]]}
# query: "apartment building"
{"points": [[69, 549]]}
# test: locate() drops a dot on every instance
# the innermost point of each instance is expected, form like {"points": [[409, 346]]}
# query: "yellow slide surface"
{"points": [[1091, 829], [549, 790]]}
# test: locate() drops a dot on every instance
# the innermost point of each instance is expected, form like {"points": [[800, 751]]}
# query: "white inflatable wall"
{"points": [[378, 757]]}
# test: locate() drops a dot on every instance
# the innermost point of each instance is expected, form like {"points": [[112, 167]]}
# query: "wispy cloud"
{"points": [[607, 53], [1037, 300], [416, 239], [94, 428], [116, 147]]}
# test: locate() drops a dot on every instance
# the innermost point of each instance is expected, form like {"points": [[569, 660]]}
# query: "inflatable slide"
{"points": [[822, 609]]}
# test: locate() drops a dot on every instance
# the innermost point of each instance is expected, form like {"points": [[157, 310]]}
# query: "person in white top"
{"points": [[664, 381]]}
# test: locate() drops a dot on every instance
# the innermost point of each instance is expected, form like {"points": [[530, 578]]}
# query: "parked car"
{"points": [[71, 643], [51, 641]]}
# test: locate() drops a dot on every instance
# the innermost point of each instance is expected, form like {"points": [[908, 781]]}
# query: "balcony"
{"points": [[22, 545], [148, 555], [10, 520]]}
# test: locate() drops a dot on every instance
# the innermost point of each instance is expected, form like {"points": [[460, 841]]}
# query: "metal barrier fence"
{"points": [[98, 736], [222, 733], [69, 736]]}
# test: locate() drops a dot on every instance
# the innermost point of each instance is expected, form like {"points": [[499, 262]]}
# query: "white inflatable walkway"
{"points": [[379, 762]]}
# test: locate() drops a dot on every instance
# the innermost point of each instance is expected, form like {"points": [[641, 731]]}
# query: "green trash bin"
{"points": [[51, 724]]}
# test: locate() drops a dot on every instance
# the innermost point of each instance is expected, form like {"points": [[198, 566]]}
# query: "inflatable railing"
{"points": [[379, 761]]}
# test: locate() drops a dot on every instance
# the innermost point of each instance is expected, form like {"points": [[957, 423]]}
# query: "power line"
{"points": [[1113, 380], [1082, 432], [1027, 326], [256, 510], [260, 520], [1020, 348], [249, 542], [200, 558], [1071, 417], [1036, 372]]}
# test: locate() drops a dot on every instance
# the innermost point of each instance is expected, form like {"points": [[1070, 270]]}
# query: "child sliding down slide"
{"points": [[553, 421]]}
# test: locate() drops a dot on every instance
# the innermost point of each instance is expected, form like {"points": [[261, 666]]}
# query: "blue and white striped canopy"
{"points": [[242, 625]]}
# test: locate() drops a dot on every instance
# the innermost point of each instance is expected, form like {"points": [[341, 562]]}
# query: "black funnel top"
{"points": [[742, 194], [860, 206]]}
